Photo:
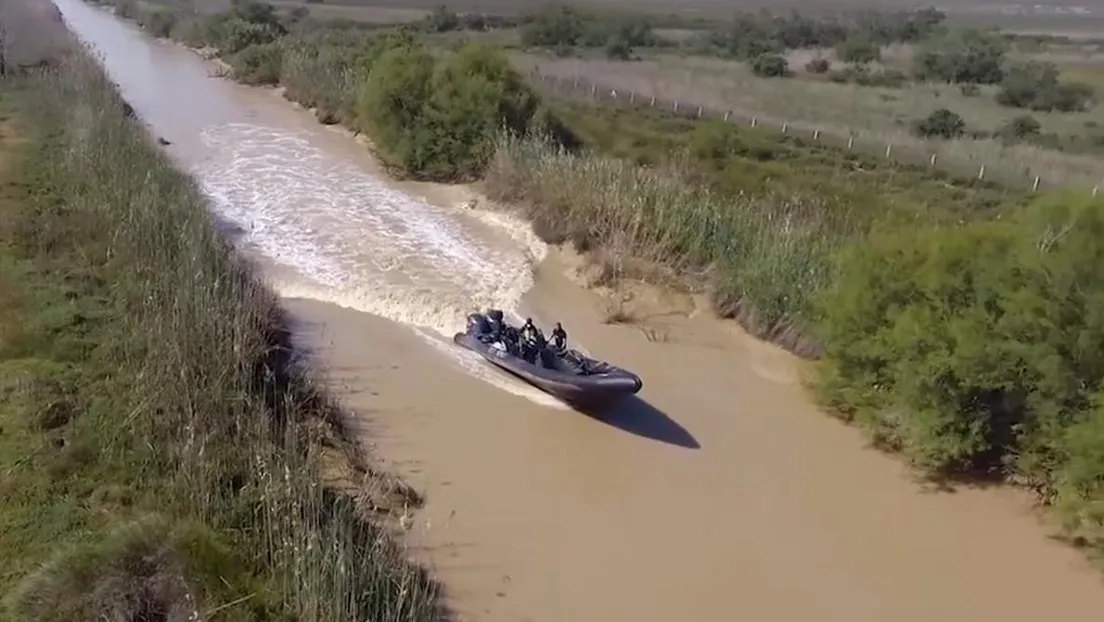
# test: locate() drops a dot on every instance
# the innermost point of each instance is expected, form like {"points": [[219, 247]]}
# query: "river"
{"points": [[721, 494]]}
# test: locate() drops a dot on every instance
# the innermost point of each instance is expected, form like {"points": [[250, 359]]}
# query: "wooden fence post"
{"points": [[727, 114], [932, 163], [652, 104], [699, 111], [1035, 184], [676, 105], [850, 141], [785, 126], [754, 121], [816, 135], [981, 172], [889, 150]]}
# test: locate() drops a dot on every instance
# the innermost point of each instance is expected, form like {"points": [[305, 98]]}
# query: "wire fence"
{"points": [[924, 156]]}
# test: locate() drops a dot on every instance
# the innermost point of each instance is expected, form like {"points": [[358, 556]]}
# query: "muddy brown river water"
{"points": [[721, 494]]}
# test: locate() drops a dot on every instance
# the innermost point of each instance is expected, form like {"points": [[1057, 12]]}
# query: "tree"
{"points": [[940, 124]]}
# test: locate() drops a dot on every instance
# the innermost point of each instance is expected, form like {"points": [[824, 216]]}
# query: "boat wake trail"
{"points": [[340, 235]]}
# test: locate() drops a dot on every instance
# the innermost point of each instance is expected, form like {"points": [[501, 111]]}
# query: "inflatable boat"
{"points": [[571, 377]]}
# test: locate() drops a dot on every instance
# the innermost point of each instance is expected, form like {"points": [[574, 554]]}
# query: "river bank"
{"points": [[166, 455]]}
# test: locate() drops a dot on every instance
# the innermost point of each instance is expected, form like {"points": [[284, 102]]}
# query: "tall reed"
{"points": [[213, 422], [762, 256]]}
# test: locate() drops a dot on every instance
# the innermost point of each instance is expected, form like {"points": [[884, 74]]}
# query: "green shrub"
{"points": [[1020, 128], [439, 119], [858, 50], [238, 34], [940, 124], [1035, 86], [770, 66], [962, 56], [258, 64], [158, 22], [976, 347], [818, 65]]}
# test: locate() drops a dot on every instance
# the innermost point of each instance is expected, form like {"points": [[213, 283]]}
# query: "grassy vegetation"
{"points": [[162, 455], [958, 322], [752, 219], [876, 115]]}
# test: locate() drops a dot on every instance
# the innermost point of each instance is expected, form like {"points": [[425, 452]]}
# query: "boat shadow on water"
{"points": [[636, 416]]}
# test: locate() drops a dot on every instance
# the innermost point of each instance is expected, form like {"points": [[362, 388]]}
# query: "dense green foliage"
{"points": [[160, 457], [430, 116], [752, 34], [940, 124], [438, 118], [1035, 86], [977, 348]]}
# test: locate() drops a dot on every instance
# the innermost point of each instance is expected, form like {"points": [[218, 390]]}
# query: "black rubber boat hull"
{"points": [[588, 392]]}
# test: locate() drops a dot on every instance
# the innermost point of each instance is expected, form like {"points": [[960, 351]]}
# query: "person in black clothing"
{"points": [[532, 341], [494, 318], [511, 339], [559, 339]]}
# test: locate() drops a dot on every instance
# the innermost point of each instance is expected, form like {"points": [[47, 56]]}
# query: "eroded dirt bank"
{"points": [[721, 494]]}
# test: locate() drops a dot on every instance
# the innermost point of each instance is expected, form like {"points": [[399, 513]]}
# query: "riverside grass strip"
{"points": [[161, 453]]}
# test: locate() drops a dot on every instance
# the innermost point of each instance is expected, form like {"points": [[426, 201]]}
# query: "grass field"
{"points": [[875, 115], [872, 117], [163, 455]]}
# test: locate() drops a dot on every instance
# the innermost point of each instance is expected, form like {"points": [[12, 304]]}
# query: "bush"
{"points": [[438, 119], [158, 22], [858, 50], [864, 76], [975, 347], [553, 26], [770, 66], [940, 124], [1035, 86], [965, 56], [258, 64], [818, 66], [1020, 128], [618, 48]]}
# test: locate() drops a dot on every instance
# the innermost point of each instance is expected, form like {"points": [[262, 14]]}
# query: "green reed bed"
{"points": [[760, 255], [161, 455]]}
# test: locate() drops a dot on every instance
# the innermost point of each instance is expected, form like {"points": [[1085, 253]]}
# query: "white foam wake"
{"points": [[340, 235], [355, 241]]}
